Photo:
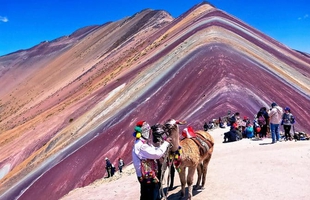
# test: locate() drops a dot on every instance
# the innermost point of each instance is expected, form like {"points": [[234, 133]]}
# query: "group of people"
{"points": [[213, 124], [146, 152], [272, 120], [110, 168], [265, 121]]}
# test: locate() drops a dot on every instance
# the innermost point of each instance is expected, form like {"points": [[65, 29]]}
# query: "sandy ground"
{"points": [[247, 169]]}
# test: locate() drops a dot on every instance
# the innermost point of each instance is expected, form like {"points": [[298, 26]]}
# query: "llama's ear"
{"points": [[180, 122]]}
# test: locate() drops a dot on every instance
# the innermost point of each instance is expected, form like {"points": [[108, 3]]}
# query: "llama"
{"points": [[192, 156]]}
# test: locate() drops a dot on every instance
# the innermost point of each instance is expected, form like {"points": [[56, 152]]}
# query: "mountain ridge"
{"points": [[197, 66]]}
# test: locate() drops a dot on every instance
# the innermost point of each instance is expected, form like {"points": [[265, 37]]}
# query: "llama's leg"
{"points": [[183, 181], [205, 170], [199, 172], [190, 180]]}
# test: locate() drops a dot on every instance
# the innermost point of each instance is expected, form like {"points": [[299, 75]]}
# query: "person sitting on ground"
{"points": [[249, 131], [221, 123], [244, 124], [287, 121], [210, 125], [144, 156], [232, 134]]}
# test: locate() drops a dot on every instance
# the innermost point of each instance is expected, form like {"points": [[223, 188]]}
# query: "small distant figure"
{"points": [[263, 122], [205, 126], [249, 131], [275, 113], [232, 135], [120, 165], [221, 123], [210, 125], [108, 167], [234, 118], [113, 170], [256, 127], [287, 121], [244, 125]]}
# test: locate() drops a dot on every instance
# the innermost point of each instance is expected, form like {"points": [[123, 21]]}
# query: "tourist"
{"points": [[275, 114]]}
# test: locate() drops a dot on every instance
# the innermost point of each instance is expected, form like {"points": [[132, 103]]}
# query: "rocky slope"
{"points": [[67, 104]]}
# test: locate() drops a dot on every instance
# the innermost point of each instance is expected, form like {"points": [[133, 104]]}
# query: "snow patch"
{"points": [[4, 170]]}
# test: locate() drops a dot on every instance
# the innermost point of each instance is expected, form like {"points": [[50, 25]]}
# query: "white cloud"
{"points": [[4, 19], [304, 17]]}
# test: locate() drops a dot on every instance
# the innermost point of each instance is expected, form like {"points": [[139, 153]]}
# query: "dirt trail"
{"points": [[247, 169]]}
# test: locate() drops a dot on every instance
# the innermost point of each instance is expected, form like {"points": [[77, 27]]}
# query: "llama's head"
{"points": [[159, 133], [172, 129], [170, 125]]}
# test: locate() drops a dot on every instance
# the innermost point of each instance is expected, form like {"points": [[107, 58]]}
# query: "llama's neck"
{"points": [[175, 140]]}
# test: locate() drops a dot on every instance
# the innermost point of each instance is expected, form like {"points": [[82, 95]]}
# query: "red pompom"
{"points": [[140, 123]]}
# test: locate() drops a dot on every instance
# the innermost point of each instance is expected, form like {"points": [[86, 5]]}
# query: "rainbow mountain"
{"points": [[67, 104]]}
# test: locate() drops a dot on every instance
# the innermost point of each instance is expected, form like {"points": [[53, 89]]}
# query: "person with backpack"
{"points": [[144, 157], [275, 114], [287, 121], [263, 122]]}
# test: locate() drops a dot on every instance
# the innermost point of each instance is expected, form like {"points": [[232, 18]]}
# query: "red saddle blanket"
{"points": [[188, 132]]}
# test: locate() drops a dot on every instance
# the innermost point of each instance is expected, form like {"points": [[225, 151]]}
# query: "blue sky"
{"points": [[26, 23]]}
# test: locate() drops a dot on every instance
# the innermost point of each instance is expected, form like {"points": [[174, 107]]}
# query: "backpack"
{"points": [[292, 119], [261, 120]]}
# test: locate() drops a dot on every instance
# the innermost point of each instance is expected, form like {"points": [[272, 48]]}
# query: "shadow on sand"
{"points": [[177, 196], [265, 143], [261, 140]]}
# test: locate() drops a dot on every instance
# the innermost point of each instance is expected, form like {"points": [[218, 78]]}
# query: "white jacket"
{"points": [[275, 115], [142, 150]]}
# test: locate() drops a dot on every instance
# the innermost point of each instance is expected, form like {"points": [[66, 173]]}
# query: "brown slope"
{"points": [[83, 91]]}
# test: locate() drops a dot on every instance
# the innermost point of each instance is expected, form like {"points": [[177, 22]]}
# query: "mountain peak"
{"points": [[73, 101]]}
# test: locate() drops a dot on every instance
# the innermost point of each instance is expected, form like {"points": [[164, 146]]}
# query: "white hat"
{"points": [[145, 130]]}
